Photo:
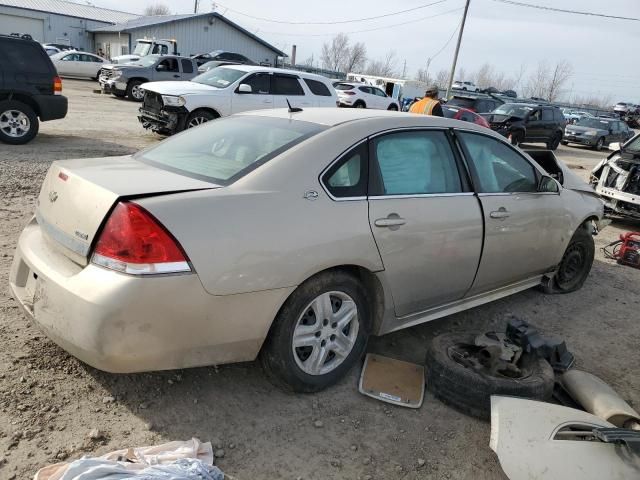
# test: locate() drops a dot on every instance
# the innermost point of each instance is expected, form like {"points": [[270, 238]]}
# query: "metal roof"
{"points": [[141, 22], [71, 9]]}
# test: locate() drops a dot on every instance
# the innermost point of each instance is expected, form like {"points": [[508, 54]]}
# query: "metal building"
{"points": [[195, 33]]}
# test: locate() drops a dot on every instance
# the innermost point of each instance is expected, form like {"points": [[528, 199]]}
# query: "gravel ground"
{"points": [[50, 402]]}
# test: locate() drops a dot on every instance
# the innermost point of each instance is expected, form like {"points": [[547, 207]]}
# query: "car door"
{"points": [[426, 222], [287, 87], [534, 126], [186, 69], [548, 123], [260, 96], [367, 97], [91, 65], [524, 228], [167, 69], [382, 99], [70, 64]]}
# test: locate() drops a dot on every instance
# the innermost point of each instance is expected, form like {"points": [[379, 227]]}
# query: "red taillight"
{"points": [[349, 93], [132, 241], [57, 86]]}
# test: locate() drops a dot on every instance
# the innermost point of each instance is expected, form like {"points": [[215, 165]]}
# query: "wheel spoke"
{"points": [[305, 335], [342, 345], [322, 307], [317, 358], [345, 314]]}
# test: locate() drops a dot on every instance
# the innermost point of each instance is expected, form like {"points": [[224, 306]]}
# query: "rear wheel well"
{"points": [[26, 99]]}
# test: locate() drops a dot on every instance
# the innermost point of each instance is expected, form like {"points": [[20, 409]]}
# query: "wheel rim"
{"points": [[572, 265], [471, 357], [599, 144], [14, 123], [325, 333], [194, 122], [137, 92], [359, 105]]}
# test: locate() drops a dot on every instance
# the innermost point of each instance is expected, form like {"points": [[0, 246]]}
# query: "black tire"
{"points": [[576, 263], [119, 94], [277, 354], [198, 117], [470, 391], [15, 111], [131, 89], [359, 104], [564, 142], [393, 107], [554, 143], [599, 144], [517, 138]]}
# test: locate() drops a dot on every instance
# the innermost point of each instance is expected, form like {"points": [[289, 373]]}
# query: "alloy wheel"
{"points": [[137, 92], [14, 123], [195, 121], [325, 333]]}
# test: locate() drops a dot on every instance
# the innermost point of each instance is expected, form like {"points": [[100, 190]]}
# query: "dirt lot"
{"points": [[49, 401]]}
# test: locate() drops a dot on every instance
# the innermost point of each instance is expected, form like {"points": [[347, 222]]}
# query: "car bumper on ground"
{"points": [[122, 323], [52, 107]]}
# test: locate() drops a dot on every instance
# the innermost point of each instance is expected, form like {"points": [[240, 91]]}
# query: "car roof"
{"points": [[335, 116], [259, 68]]}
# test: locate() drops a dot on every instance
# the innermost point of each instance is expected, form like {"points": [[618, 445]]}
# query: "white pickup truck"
{"points": [[170, 107], [146, 47]]}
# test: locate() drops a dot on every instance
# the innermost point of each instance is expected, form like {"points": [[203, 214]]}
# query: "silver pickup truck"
{"points": [[125, 79]]}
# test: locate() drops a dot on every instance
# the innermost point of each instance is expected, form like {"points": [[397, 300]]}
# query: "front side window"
{"points": [[379, 92], [227, 149], [286, 85], [171, 64], [260, 83], [348, 176], [415, 163], [72, 57], [535, 116], [498, 168]]}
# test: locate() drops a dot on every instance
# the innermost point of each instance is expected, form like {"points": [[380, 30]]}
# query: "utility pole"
{"points": [[195, 6], [404, 69], [455, 56]]}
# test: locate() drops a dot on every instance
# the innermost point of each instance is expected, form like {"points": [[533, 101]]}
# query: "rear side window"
{"points": [[187, 66], [557, 115], [348, 176], [286, 85], [317, 88], [414, 163], [24, 56]]}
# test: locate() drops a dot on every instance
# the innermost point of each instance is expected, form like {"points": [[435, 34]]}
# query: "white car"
{"points": [[360, 95], [170, 107], [51, 50], [78, 64], [469, 86]]}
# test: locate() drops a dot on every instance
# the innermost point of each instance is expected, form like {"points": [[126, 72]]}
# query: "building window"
{"points": [[124, 50]]}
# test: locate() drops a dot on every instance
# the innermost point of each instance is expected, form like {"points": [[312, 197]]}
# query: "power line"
{"points": [[366, 30], [447, 43], [562, 10], [334, 22]]}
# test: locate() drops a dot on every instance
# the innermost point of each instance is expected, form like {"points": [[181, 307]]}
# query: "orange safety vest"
{"points": [[424, 106]]}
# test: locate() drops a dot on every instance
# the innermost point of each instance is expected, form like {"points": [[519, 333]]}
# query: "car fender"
{"points": [[218, 103]]}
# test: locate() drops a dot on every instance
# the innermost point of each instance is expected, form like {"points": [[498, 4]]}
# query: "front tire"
{"points": [[198, 117], [18, 122], [555, 142], [393, 107], [319, 334], [599, 144], [576, 263], [134, 92], [359, 104]]}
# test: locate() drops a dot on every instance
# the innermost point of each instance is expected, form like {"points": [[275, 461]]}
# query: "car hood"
{"points": [[181, 88], [579, 129]]}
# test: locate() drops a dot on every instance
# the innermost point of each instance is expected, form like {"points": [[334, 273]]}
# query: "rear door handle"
{"points": [[390, 221], [500, 214]]}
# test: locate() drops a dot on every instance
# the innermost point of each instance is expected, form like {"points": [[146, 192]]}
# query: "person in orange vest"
{"points": [[429, 105]]}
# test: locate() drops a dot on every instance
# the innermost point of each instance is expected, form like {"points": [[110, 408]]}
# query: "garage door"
{"points": [[12, 24]]}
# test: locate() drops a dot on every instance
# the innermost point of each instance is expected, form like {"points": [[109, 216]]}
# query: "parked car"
{"points": [[170, 107], [359, 95], [205, 67], [572, 116], [464, 114], [222, 56], [78, 64], [617, 179], [125, 80], [30, 89], [475, 103], [293, 237], [523, 122], [51, 50], [63, 47], [509, 93], [623, 108], [597, 132], [470, 86]]}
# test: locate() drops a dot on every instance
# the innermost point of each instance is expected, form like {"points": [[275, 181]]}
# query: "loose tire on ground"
{"points": [[575, 265], [469, 391], [18, 122], [283, 363]]}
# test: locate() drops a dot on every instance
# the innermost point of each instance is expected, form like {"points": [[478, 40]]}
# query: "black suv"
{"points": [[475, 103], [29, 89], [527, 122]]}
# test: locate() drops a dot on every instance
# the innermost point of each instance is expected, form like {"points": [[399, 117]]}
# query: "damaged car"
{"points": [[293, 235], [617, 179]]}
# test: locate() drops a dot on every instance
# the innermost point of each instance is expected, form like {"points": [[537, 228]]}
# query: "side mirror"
{"points": [[161, 68], [244, 88], [614, 147], [548, 184]]}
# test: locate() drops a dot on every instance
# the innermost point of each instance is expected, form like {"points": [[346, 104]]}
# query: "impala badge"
{"points": [[53, 196]]}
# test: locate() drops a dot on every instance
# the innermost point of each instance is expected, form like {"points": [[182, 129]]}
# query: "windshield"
{"points": [[594, 123], [343, 86], [226, 149], [633, 146], [146, 61], [513, 110], [142, 49], [219, 77]]}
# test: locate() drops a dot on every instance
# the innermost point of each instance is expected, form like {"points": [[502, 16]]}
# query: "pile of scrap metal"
{"points": [[617, 179], [510, 377]]}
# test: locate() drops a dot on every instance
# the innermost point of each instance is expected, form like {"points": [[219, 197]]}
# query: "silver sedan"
{"points": [[293, 237]]}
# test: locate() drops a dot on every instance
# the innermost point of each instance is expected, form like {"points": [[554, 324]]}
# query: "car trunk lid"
{"points": [[77, 196]]}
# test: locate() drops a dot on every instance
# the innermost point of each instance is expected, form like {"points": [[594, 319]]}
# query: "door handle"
{"points": [[393, 220], [176, 76], [267, 101], [500, 214]]}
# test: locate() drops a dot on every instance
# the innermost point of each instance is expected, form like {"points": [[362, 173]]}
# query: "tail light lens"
{"points": [[133, 241], [348, 93], [57, 86]]}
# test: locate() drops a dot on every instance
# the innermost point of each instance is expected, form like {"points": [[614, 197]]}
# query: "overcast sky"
{"points": [[603, 52]]}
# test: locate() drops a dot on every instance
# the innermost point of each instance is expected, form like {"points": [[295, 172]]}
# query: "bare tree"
{"points": [[156, 9], [356, 58], [423, 76], [309, 62], [593, 101], [557, 78], [536, 85], [386, 67], [547, 82], [334, 54], [441, 79]]}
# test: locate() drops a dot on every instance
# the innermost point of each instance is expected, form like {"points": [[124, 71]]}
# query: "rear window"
{"points": [[344, 86], [24, 56], [227, 149], [317, 88]]}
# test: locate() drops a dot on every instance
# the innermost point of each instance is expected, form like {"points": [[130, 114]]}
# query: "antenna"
{"points": [[293, 109]]}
